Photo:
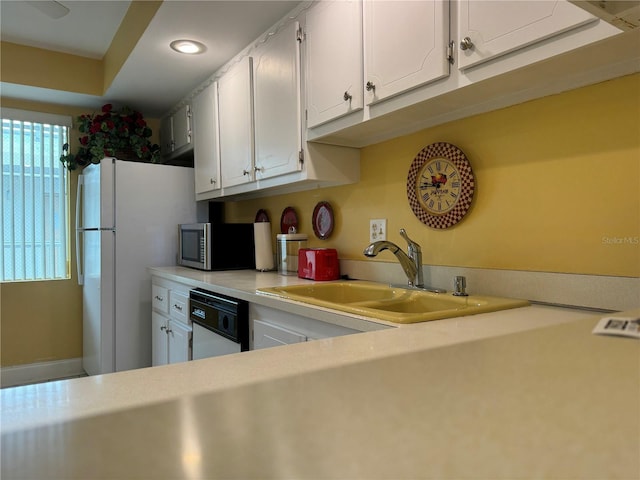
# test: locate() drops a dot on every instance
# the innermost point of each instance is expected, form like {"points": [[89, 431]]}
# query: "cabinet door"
{"points": [[266, 335], [405, 45], [494, 28], [159, 341], [277, 109], [206, 141], [166, 136], [179, 342], [334, 56], [235, 101], [182, 128]]}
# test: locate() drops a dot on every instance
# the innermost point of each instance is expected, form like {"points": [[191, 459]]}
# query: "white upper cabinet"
{"points": [[166, 136], [371, 70], [277, 106], [175, 133], [334, 63], [489, 29], [235, 102], [206, 143], [182, 128], [405, 44], [273, 131]]}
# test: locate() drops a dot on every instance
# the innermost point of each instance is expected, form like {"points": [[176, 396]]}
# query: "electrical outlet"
{"points": [[377, 229]]}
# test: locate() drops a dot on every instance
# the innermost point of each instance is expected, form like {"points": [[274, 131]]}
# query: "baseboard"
{"points": [[40, 372]]}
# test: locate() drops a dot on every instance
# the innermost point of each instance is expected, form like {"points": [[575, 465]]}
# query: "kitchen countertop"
{"points": [[243, 284], [528, 392]]}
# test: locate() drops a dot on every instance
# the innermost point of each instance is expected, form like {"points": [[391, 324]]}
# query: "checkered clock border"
{"points": [[459, 159]]}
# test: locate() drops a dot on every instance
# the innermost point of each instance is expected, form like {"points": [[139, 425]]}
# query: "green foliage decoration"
{"points": [[120, 133]]}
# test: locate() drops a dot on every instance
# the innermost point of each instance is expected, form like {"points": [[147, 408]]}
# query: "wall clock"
{"points": [[440, 185]]}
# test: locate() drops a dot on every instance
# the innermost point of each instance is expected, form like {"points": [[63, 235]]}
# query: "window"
{"points": [[35, 197]]}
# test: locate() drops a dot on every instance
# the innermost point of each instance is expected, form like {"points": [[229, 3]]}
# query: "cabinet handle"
{"points": [[159, 298], [466, 44], [177, 307], [347, 97], [163, 328], [245, 172], [258, 169], [169, 331], [212, 181], [370, 86]]}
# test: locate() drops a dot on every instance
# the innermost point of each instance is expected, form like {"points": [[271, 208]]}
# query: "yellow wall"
{"points": [[558, 181], [38, 67], [46, 69], [135, 22], [42, 321], [558, 188]]}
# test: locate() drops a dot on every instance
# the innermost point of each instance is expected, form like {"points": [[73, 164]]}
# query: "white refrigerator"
{"points": [[127, 217]]}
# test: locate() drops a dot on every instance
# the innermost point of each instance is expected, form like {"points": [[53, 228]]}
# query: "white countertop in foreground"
{"points": [[488, 396]]}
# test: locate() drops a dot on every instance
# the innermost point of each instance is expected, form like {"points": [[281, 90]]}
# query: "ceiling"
{"points": [[154, 78]]}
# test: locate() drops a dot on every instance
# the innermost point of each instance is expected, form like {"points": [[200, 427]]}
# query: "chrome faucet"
{"points": [[411, 262], [406, 263]]}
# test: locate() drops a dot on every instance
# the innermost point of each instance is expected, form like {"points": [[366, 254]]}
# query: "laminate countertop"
{"points": [[488, 396]]}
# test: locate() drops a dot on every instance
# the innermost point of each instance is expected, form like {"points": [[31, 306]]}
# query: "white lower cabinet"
{"points": [[171, 334], [171, 340], [179, 342], [159, 342], [266, 335], [273, 328]]}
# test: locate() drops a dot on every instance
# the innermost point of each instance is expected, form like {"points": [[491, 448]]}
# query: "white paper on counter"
{"points": [[621, 326]]}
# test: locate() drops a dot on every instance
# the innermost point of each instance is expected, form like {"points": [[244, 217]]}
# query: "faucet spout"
{"points": [[406, 263], [414, 252]]}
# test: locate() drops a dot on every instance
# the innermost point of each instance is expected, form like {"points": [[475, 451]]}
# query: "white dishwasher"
{"points": [[220, 324]]}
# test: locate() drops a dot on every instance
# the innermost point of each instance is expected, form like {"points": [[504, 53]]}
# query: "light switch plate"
{"points": [[377, 229]]}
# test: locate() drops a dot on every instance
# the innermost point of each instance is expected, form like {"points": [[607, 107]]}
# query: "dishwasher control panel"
{"points": [[226, 316]]}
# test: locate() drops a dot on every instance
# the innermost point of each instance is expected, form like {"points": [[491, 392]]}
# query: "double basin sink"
{"points": [[389, 303]]}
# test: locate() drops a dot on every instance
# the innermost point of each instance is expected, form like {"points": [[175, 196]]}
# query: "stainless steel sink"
{"points": [[392, 304]]}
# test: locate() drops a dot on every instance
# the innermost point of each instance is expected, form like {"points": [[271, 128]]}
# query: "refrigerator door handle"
{"points": [[79, 266]]}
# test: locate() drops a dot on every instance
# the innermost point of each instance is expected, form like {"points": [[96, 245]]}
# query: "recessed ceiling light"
{"points": [[190, 47]]}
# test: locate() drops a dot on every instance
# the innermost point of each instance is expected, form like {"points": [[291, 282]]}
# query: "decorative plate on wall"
{"points": [[262, 216], [322, 220], [288, 219], [440, 185]]}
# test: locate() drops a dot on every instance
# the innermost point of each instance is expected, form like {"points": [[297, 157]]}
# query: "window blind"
{"points": [[35, 197]]}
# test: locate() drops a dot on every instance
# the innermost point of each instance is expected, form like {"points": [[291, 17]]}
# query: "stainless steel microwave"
{"points": [[217, 246]]}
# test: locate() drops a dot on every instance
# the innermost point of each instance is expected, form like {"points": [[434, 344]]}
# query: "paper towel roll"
{"points": [[264, 250]]}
